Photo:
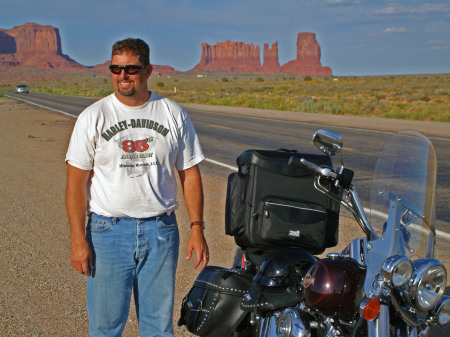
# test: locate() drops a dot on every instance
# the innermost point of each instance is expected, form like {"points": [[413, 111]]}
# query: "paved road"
{"points": [[227, 132]]}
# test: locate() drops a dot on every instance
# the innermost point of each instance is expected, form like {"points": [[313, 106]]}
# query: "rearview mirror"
{"points": [[328, 141]]}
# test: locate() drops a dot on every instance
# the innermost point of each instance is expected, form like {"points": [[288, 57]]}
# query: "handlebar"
{"points": [[343, 180], [302, 163]]}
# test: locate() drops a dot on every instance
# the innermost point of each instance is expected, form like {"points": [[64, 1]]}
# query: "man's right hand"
{"points": [[81, 257]]}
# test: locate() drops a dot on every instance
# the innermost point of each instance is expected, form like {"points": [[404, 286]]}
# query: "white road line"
{"points": [[42, 106], [221, 164], [439, 233]]}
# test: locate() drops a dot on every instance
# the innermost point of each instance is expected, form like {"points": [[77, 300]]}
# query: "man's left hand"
{"points": [[197, 243]]}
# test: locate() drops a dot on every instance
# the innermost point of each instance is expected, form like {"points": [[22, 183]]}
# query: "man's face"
{"points": [[130, 87]]}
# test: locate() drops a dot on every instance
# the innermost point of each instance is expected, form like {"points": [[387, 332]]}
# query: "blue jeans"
{"points": [[132, 254]]}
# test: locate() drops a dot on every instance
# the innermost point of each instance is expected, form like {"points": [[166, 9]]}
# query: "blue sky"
{"points": [[357, 37]]}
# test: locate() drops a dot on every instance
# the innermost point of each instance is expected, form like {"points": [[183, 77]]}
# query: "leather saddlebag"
{"points": [[212, 306]]}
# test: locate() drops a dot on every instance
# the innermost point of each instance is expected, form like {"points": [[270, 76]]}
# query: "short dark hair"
{"points": [[135, 46]]}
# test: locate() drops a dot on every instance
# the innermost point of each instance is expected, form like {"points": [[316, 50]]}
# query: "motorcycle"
{"points": [[387, 283]]}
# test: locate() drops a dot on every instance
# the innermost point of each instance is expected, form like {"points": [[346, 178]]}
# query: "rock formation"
{"points": [[7, 50], [308, 58], [240, 57], [271, 63], [34, 45], [230, 56], [162, 69]]}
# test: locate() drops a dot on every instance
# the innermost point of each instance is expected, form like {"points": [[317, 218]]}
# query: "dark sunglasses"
{"points": [[129, 69]]}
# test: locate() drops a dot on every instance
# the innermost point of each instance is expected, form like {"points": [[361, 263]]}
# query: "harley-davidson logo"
{"points": [[294, 233], [308, 280]]}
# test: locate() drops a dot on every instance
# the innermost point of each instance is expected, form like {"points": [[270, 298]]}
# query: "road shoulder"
{"points": [[430, 129]]}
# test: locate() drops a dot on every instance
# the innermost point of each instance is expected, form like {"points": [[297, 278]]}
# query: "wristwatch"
{"points": [[198, 223]]}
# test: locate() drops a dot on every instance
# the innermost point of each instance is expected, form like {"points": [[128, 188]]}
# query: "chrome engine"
{"points": [[295, 322], [286, 323]]}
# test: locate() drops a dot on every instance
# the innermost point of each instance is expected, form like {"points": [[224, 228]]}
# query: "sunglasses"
{"points": [[129, 69]]}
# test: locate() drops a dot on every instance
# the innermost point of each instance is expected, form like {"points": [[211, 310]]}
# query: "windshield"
{"points": [[403, 186]]}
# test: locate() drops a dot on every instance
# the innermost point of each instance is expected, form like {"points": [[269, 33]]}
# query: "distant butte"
{"points": [[308, 58], [34, 45], [230, 56], [237, 56], [271, 64], [40, 46]]}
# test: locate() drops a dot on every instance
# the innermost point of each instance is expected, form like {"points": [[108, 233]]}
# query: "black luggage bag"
{"points": [[271, 205], [212, 306]]}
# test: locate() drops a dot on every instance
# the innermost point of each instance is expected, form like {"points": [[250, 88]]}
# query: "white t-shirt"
{"points": [[132, 152]]}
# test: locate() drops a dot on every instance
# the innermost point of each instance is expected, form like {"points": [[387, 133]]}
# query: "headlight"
{"points": [[427, 283], [442, 311], [397, 270]]}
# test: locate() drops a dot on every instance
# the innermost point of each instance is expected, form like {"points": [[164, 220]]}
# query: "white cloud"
{"points": [[437, 45], [423, 9], [341, 2], [435, 42], [328, 2], [440, 48], [392, 30], [388, 10], [429, 8]]}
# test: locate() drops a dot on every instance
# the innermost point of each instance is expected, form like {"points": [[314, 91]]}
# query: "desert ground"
{"points": [[41, 295]]}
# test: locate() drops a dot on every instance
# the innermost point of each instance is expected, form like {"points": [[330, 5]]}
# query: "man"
{"points": [[120, 169]]}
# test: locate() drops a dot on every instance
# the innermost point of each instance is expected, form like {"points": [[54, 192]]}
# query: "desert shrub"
{"points": [[425, 98], [103, 92], [307, 78], [237, 89], [310, 105], [224, 79], [160, 84], [373, 106], [255, 89], [259, 79]]}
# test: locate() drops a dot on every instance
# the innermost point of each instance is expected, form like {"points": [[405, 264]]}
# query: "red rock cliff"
{"points": [[240, 57], [230, 56], [271, 64], [308, 58], [34, 45]]}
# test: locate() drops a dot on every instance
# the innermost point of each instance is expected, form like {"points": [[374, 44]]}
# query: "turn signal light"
{"points": [[369, 309]]}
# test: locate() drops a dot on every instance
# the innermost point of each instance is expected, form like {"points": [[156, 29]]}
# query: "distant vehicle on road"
{"points": [[22, 88]]}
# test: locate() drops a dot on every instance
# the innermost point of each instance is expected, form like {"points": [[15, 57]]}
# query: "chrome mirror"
{"points": [[328, 141]]}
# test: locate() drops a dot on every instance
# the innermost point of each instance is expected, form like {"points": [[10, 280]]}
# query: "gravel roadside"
{"points": [[41, 295]]}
